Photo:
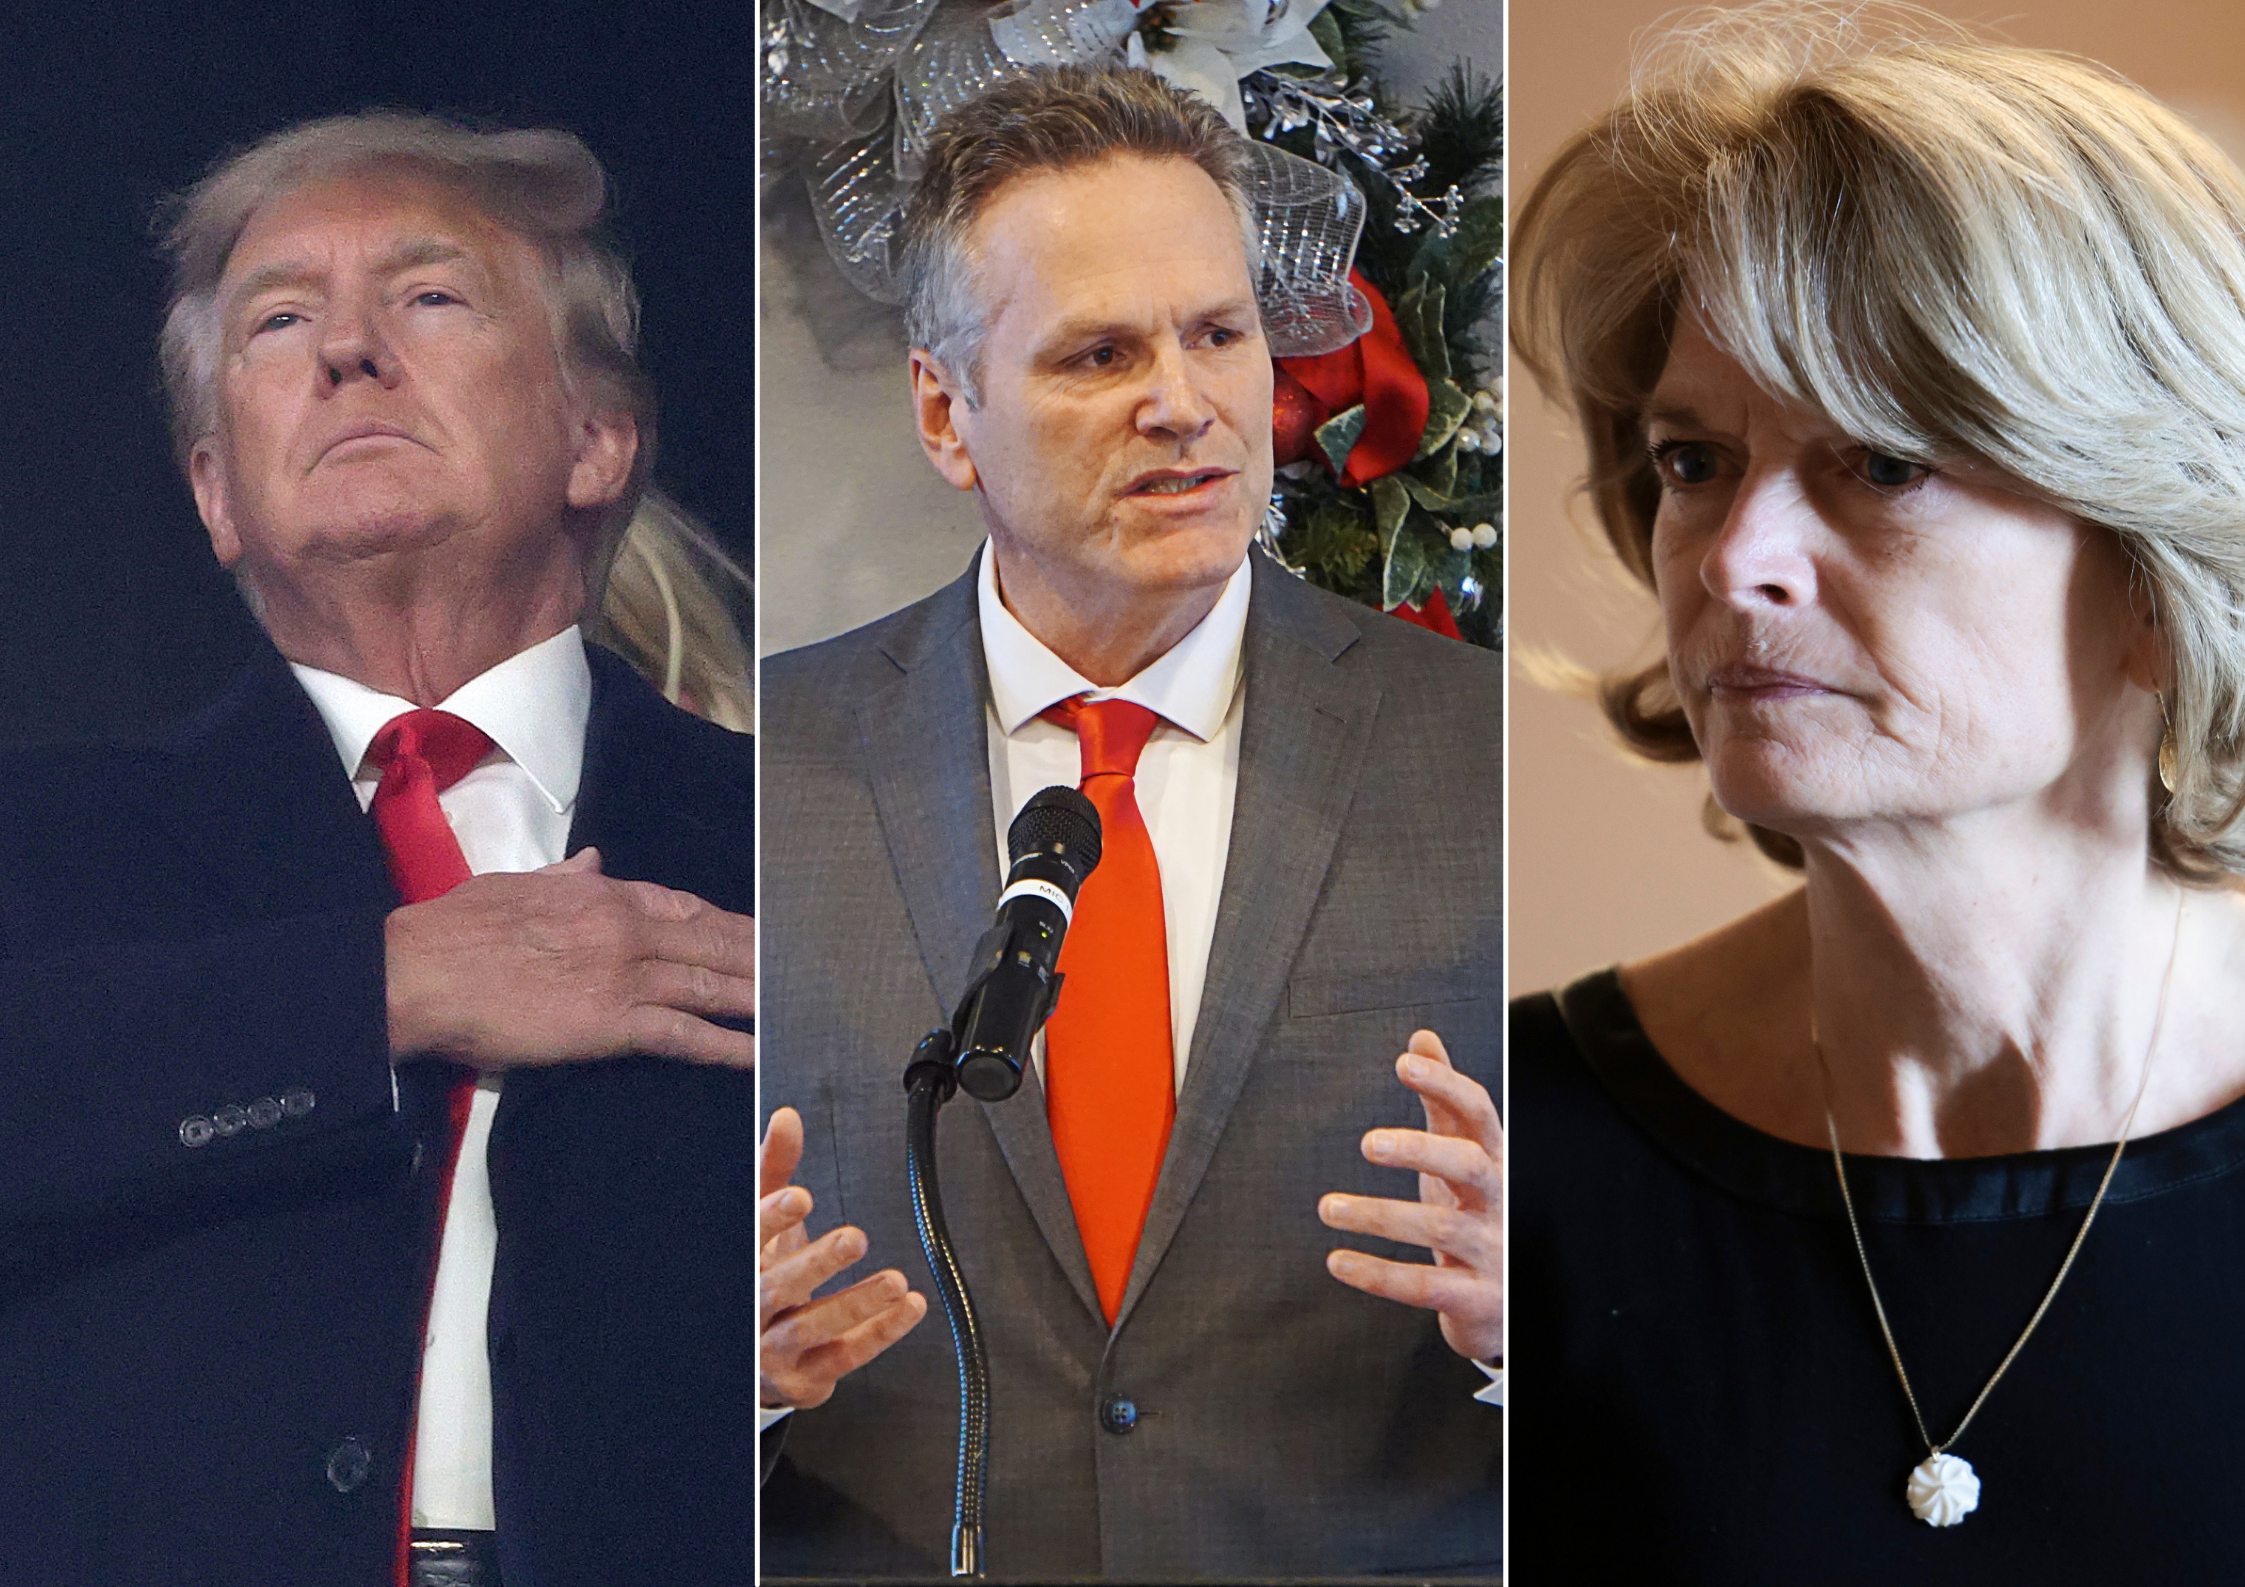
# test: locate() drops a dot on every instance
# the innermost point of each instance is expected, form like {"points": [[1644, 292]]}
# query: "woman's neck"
{"points": [[1969, 1000]]}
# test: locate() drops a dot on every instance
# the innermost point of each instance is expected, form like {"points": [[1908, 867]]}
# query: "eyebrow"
{"points": [[1685, 416], [1069, 332], [412, 254]]}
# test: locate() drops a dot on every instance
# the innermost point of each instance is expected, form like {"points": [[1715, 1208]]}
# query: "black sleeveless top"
{"points": [[1699, 1391]]}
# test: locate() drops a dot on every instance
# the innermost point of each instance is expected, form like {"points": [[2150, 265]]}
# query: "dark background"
{"points": [[113, 614]]}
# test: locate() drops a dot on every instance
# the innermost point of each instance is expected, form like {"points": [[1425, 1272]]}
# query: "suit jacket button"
{"points": [[1118, 1413], [196, 1131], [230, 1119], [264, 1113], [296, 1103], [347, 1465]]}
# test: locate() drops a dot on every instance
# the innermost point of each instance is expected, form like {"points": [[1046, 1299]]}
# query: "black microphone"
{"points": [[1014, 983]]}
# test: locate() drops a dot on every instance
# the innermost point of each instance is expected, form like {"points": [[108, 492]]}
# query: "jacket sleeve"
{"points": [[151, 1081]]}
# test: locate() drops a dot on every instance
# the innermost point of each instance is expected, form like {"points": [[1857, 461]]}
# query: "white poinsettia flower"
{"points": [[1217, 42]]}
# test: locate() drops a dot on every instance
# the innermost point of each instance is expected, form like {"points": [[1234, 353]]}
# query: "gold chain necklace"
{"points": [[1943, 1489]]}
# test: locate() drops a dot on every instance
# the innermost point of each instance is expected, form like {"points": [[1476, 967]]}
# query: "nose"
{"points": [[1173, 408], [352, 348], [1760, 556]]}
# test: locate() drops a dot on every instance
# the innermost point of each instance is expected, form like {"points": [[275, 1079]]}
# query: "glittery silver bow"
{"points": [[824, 81]]}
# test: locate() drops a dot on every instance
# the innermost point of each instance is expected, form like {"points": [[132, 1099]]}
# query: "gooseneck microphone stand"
{"points": [[1053, 845], [929, 1082]]}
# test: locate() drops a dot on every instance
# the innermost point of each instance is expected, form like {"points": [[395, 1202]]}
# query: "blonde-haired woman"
{"points": [[1892, 1232]]}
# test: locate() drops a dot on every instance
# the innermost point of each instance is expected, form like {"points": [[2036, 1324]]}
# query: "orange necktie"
{"points": [[1110, 1091], [421, 754]]}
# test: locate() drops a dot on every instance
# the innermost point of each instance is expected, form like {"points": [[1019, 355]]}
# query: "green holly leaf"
{"points": [[1418, 315], [1326, 29], [1406, 569], [1391, 502], [1447, 408], [1436, 475], [1337, 436]]}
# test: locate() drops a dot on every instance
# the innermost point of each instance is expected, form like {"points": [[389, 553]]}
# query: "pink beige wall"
{"points": [[1608, 858]]}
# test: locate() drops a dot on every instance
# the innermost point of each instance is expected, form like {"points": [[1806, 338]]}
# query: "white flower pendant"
{"points": [[1944, 1489]]}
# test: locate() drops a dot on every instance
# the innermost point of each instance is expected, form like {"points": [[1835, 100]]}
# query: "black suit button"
{"points": [[1118, 1413], [297, 1103], [347, 1465], [197, 1131], [264, 1113]]}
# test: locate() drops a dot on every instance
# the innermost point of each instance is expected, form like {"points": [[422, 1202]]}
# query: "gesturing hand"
{"points": [[543, 967], [805, 1345], [1459, 1213]]}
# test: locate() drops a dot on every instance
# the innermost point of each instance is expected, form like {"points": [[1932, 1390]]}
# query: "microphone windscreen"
{"points": [[1059, 821]]}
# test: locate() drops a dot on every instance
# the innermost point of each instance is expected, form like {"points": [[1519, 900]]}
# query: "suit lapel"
{"points": [[927, 757], [265, 807], [1304, 733]]}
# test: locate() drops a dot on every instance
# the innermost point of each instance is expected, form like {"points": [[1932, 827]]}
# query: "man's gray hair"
{"points": [[1049, 118], [543, 186]]}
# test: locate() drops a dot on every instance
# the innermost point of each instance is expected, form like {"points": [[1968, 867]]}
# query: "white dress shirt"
{"points": [[511, 813], [1188, 775]]}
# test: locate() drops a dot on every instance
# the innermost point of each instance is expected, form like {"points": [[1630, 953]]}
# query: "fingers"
{"points": [[794, 1372], [671, 1033], [693, 989], [788, 1281], [1471, 1238], [780, 1152], [1471, 1303], [828, 1318], [1464, 1165], [1455, 1103], [781, 1213]]}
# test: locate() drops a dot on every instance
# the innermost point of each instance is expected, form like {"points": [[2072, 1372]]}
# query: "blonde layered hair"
{"points": [[1955, 250]]}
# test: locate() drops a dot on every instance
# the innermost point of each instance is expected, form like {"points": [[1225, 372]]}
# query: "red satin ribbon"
{"points": [[1377, 370]]}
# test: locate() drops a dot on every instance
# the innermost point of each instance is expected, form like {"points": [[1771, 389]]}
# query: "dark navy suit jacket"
{"points": [[210, 1332]]}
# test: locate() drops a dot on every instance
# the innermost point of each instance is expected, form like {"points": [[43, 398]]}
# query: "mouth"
{"points": [[1177, 481], [1743, 682], [363, 432]]}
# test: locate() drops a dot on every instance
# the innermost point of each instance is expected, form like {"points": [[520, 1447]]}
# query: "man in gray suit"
{"points": [[1302, 870]]}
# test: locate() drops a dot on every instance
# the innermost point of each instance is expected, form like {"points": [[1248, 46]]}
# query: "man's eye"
{"points": [[1684, 462], [433, 298], [279, 322]]}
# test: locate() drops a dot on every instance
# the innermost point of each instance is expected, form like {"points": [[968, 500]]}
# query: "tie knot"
{"points": [[448, 745], [1110, 734]]}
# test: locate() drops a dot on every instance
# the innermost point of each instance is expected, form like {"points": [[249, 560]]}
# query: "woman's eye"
{"points": [[1889, 472], [1103, 357], [1685, 462]]}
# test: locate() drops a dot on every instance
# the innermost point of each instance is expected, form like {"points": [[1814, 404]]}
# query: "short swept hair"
{"points": [[541, 185], [1952, 250], [1048, 118]]}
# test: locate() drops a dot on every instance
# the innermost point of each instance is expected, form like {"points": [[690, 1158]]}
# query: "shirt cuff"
{"points": [[767, 1417], [1492, 1392]]}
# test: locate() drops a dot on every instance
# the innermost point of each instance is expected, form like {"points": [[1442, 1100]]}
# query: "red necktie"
{"points": [[1110, 1089], [421, 754]]}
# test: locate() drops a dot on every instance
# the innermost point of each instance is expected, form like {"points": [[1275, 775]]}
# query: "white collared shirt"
{"points": [[511, 813], [1188, 775]]}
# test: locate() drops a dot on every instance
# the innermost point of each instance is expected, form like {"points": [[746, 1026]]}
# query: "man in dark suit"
{"points": [[1300, 806], [360, 1222]]}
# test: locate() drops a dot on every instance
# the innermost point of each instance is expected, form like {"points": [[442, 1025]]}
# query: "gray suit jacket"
{"points": [[1286, 1424]]}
